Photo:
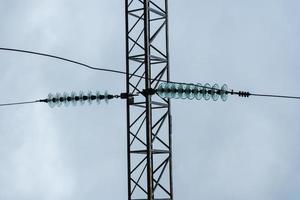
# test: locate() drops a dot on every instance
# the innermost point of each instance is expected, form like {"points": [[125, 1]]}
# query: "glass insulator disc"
{"points": [[173, 90], [81, 97], [73, 98], [184, 92], [161, 90], [90, 94], [59, 99], [206, 91], [98, 95], [65, 96], [189, 91], [50, 100], [214, 92], [177, 94], [167, 90], [224, 92], [106, 97], [199, 93]]}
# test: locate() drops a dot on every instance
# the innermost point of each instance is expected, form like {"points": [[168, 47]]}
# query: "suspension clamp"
{"points": [[128, 96], [149, 91]]}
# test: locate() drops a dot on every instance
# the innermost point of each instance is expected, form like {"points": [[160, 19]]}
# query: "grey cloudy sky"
{"points": [[241, 149]]}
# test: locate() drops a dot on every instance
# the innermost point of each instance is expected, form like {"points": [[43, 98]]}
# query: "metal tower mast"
{"points": [[148, 117]]}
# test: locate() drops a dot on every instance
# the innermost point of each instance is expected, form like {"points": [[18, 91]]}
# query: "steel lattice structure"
{"points": [[148, 116]]}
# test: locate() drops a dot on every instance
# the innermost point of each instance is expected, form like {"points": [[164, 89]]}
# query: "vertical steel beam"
{"points": [[169, 103], [148, 100], [128, 101], [148, 116]]}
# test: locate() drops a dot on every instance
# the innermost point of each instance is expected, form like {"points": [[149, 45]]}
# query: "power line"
{"points": [[163, 94], [248, 94], [19, 103], [84, 65], [240, 93], [275, 96], [64, 59], [80, 63]]}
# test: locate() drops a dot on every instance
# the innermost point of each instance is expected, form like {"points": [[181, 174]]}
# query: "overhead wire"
{"points": [[19, 103], [81, 63], [274, 96], [62, 58], [114, 71]]}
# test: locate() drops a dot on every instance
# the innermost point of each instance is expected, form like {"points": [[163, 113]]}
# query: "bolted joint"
{"points": [[244, 94], [126, 95], [149, 91], [43, 100], [129, 97]]}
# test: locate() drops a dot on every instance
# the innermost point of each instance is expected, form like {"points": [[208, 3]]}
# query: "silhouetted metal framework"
{"points": [[148, 116]]}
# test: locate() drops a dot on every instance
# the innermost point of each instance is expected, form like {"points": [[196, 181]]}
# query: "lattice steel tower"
{"points": [[148, 116]]}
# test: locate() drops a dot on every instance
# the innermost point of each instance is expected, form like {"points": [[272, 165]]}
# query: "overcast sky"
{"points": [[242, 149]]}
